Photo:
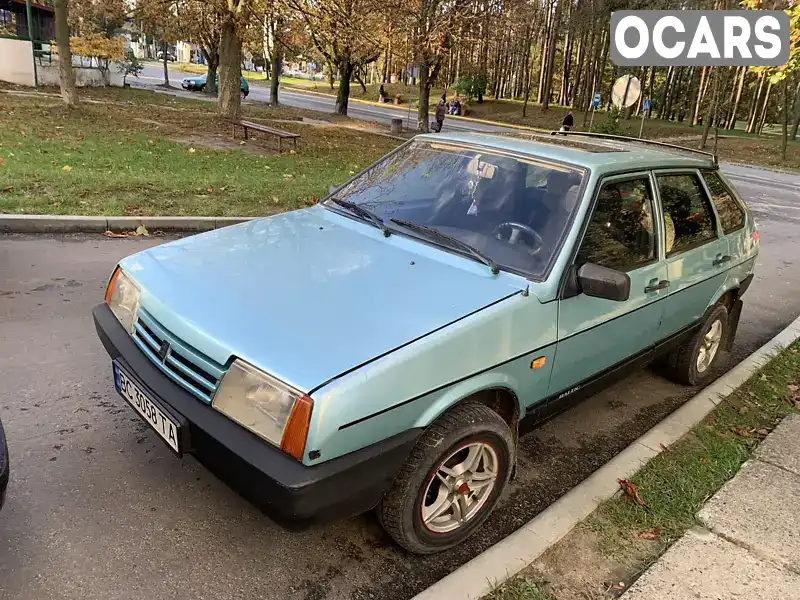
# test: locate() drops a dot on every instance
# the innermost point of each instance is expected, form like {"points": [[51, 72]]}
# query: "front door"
{"points": [[593, 333], [697, 255]]}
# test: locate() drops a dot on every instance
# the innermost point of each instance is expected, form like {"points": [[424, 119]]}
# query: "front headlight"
{"points": [[122, 297], [266, 406]]}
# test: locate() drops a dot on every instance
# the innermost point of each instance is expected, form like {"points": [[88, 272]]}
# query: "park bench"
{"points": [[278, 133]]}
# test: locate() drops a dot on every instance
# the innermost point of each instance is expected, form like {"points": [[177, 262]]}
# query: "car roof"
{"points": [[597, 154]]}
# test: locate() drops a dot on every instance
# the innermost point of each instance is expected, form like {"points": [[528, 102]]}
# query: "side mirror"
{"points": [[602, 282]]}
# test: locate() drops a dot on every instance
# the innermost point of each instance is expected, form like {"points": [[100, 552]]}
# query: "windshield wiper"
{"points": [[364, 213], [433, 232]]}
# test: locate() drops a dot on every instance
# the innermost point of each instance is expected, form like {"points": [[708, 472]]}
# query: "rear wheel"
{"points": [[451, 482], [691, 364]]}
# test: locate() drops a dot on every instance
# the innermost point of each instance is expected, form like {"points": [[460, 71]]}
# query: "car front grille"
{"points": [[184, 365]]}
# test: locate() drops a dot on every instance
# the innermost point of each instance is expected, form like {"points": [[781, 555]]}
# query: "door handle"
{"points": [[721, 259], [656, 285]]}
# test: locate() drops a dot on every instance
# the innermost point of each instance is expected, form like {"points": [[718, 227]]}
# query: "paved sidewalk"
{"points": [[749, 545]]}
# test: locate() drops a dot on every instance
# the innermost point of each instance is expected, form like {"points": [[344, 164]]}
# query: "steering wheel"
{"points": [[518, 230]]}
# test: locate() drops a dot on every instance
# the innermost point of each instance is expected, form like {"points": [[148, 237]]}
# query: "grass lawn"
{"points": [[136, 152], [623, 537]]}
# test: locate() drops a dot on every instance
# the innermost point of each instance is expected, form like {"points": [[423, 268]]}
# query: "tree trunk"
{"points": [[212, 59], [331, 75], [785, 124], [276, 63], [230, 67], [424, 97], [763, 117], [66, 76], [343, 94], [711, 113], [731, 124], [662, 103], [699, 101], [166, 66], [360, 81], [796, 123], [387, 55], [551, 57], [751, 120]]}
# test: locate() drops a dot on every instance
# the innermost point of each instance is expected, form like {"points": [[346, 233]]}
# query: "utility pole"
{"points": [[29, 14]]}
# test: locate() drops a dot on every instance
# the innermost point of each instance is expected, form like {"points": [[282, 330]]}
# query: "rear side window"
{"points": [[731, 214], [688, 217], [620, 234]]}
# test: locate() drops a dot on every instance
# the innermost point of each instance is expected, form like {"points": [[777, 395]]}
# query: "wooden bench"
{"points": [[278, 133]]}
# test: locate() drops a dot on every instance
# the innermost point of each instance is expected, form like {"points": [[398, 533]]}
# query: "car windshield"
{"points": [[513, 210]]}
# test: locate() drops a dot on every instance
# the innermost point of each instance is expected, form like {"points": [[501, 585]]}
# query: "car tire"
{"points": [[468, 432], [693, 362], [199, 88]]}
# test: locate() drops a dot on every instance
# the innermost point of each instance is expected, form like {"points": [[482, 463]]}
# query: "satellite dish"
{"points": [[618, 96]]}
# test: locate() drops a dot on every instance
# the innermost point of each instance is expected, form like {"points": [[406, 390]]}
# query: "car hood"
{"points": [[308, 295]]}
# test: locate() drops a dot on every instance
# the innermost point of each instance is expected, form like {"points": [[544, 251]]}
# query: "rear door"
{"points": [[622, 233], [697, 253], [731, 214]]}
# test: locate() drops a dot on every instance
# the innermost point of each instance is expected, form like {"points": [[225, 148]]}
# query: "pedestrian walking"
{"points": [[568, 122], [440, 112]]}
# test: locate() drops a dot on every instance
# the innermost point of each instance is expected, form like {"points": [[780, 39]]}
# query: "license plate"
{"points": [[147, 408]]}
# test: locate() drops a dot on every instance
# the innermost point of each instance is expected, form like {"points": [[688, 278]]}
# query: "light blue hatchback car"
{"points": [[386, 347]]}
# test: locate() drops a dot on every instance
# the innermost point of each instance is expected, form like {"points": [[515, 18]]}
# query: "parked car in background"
{"points": [[4, 465], [198, 84], [170, 56], [383, 348]]}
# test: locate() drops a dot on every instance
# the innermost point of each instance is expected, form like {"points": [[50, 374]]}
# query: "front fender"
{"points": [[460, 391]]}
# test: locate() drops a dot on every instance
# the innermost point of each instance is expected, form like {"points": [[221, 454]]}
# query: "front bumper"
{"points": [[290, 492], [4, 466]]}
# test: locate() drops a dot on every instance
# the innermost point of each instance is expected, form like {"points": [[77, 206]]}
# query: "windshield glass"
{"points": [[511, 209]]}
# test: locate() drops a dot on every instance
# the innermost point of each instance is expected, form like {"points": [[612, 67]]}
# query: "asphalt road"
{"points": [[98, 508], [154, 75]]}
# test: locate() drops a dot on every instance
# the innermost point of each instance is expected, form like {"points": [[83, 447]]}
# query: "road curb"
{"points": [[86, 224], [508, 557]]}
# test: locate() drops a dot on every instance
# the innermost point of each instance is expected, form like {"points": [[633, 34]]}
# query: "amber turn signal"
{"points": [[111, 283], [293, 442], [538, 363]]}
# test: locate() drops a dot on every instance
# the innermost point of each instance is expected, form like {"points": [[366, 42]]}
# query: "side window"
{"points": [[731, 215], [620, 234], [688, 217]]}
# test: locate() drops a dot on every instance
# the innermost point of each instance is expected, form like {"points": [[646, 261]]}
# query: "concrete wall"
{"points": [[84, 76], [16, 64]]}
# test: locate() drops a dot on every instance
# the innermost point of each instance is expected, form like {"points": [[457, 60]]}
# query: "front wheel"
{"points": [[451, 481], [244, 95]]}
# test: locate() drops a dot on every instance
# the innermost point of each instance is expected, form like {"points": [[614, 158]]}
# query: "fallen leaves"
{"points": [[631, 491], [794, 395], [651, 534], [66, 168], [753, 432], [192, 150], [141, 230], [2, 160]]}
